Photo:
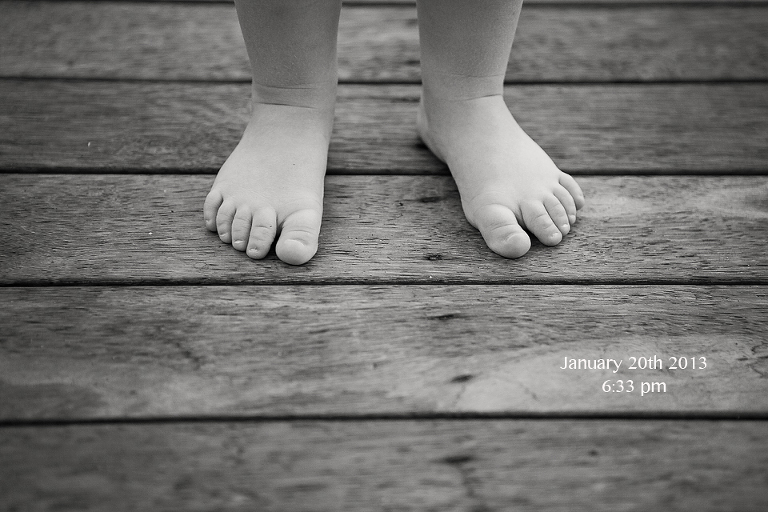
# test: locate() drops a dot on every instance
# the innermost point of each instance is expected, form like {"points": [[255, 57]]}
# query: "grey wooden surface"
{"points": [[128, 127], [381, 465], [595, 43], [138, 229], [88, 352], [145, 365]]}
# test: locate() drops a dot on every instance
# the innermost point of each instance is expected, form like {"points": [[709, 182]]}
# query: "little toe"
{"points": [[241, 228], [573, 188], [224, 218], [262, 235], [538, 221], [565, 198], [558, 214], [298, 238], [212, 202], [501, 231]]}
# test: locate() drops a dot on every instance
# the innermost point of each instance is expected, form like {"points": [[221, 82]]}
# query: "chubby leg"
{"points": [[271, 186], [506, 181]]}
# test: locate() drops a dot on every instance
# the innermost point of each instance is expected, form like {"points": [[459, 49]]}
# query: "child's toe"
{"points": [[539, 222], [241, 228], [558, 214], [224, 221], [298, 238], [262, 233], [212, 202], [501, 231], [573, 188], [566, 199]]}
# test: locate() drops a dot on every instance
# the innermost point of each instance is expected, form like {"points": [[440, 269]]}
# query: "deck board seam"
{"points": [[384, 83], [363, 283], [553, 4], [414, 417], [211, 171]]}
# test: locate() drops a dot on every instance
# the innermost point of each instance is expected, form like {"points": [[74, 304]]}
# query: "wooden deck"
{"points": [[144, 365]]}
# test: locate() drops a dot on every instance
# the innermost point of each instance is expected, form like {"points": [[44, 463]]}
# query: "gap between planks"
{"points": [[734, 416], [554, 3]]}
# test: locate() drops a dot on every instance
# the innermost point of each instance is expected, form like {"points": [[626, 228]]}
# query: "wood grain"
{"points": [[78, 353], [404, 311], [372, 466], [203, 42], [394, 229], [150, 127]]}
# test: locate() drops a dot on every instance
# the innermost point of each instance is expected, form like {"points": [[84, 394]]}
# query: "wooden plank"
{"points": [[203, 42], [408, 466], [74, 353], [155, 127], [136, 229], [142, 228]]}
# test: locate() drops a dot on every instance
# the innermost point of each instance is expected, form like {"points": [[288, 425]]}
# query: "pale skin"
{"points": [[271, 187]]}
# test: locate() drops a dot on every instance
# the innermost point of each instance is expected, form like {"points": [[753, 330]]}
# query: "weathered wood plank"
{"points": [[151, 127], [73, 353], [408, 466], [203, 42], [133, 229]]}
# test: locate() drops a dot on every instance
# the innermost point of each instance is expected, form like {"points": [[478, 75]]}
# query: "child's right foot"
{"points": [[272, 184]]}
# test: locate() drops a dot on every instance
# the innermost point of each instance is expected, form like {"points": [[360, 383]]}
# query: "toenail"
{"points": [[238, 241], [565, 226], [572, 218]]}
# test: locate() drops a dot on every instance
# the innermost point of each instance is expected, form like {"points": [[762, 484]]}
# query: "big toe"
{"points": [[298, 238], [501, 231]]}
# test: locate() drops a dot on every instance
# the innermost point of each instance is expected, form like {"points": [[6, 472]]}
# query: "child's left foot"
{"points": [[504, 178]]}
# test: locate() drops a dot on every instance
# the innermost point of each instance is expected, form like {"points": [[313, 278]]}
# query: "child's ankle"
{"points": [[316, 96], [448, 87]]}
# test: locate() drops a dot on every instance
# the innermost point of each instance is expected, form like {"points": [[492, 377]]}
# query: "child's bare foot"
{"points": [[504, 178], [272, 184]]}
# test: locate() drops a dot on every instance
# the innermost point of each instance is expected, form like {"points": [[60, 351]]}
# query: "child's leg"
{"points": [[505, 179], [273, 181]]}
